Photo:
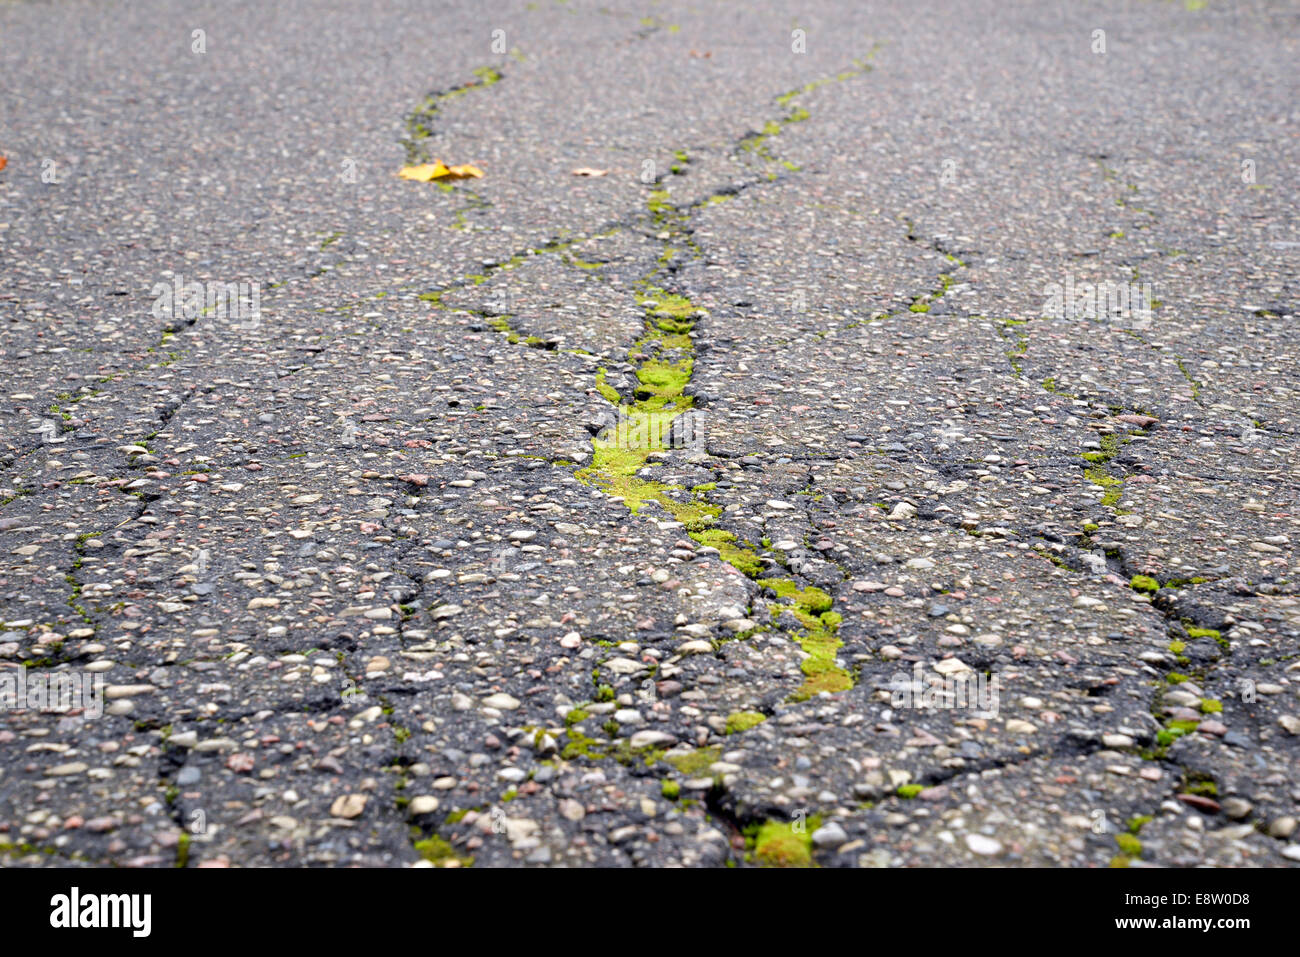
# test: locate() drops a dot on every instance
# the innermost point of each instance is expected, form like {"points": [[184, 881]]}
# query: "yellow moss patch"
{"points": [[778, 844]]}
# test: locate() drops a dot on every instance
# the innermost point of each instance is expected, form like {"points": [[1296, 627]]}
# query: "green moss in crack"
{"points": [[739, 721], [819, 638], [784, 844], [578, 745], [742, 559], [1129, 845], [659, 303], [695, 763], [820, 641], [664, 380], [1144, 583], [8, 848], [811, 599], [658, 203], [441, 854]]}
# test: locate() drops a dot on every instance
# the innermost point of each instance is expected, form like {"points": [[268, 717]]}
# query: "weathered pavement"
{"points": [[368, 583]]}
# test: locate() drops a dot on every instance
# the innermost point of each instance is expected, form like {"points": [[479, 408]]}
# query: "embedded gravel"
{"points": [[362, 583]]}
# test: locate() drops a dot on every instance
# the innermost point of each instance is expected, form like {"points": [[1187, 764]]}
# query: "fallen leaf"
{"points": [[425, 172], [702, 56], [588, 171], [3, 162]]}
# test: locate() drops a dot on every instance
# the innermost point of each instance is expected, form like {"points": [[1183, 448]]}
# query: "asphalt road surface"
{"points": [[886, 454]]}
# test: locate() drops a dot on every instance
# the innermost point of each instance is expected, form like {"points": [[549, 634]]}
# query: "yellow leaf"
{"points": [[439, 170], [424, 172]]}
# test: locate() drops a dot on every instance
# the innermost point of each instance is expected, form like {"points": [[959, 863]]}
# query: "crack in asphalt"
{"points": [[670, 326]]}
